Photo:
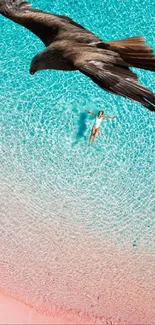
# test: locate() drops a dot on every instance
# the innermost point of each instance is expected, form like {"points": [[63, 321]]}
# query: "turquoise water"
{"points": [[77, 222], [107, 187]]}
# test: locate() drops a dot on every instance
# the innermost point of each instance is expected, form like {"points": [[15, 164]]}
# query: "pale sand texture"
{"points": [[61, 270], [14, 312]]}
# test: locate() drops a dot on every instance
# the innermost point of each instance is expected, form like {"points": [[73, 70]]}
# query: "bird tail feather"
{"points": [[133, 51]]}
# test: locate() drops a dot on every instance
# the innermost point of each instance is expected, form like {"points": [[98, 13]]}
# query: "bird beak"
{"points": [[32, 71]]}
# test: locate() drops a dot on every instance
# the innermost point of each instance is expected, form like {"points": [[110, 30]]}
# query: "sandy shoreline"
{"points": [[13, 311]]}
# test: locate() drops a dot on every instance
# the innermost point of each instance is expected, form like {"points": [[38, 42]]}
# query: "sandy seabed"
{"points": [[53, 272]]}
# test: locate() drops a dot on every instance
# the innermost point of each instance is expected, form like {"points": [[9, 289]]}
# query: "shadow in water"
{"points": [[82, 128]]}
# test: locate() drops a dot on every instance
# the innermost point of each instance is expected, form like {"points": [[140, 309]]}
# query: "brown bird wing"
{"points": [[112, 74], [46, 26]]}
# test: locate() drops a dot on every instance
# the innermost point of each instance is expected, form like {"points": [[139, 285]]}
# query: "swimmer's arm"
{"points": [[109, 117], [90, 113]]}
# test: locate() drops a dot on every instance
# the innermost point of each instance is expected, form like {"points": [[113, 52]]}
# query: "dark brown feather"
{"points": [[120, 81], [108, 70], [46, 26]]}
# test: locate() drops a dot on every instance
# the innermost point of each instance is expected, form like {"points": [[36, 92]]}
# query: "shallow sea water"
{"points": [[49, 175]]}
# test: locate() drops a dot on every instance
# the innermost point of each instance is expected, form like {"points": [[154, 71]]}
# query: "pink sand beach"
{"points": [[13, 311], [54, 272]]}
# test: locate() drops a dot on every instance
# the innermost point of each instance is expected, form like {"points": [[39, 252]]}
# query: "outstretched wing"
{"points": [[110, 72], [46, 26], [120, 81]]}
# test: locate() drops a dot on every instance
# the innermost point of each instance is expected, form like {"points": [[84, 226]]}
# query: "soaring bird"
{"points": [[69, 46]]}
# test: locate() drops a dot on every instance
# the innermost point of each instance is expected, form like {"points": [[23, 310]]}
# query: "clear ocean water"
{"points": [[47, 167]]}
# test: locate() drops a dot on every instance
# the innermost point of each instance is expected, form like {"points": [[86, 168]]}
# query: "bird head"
{"points": [[47, 59], [35, 65], [38, 63], [32, 70]]}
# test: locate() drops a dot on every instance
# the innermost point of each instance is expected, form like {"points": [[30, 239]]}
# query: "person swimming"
{"points": [[96, 126]]}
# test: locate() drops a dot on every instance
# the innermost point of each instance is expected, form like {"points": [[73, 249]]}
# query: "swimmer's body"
{"points": [[96, 127]]}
